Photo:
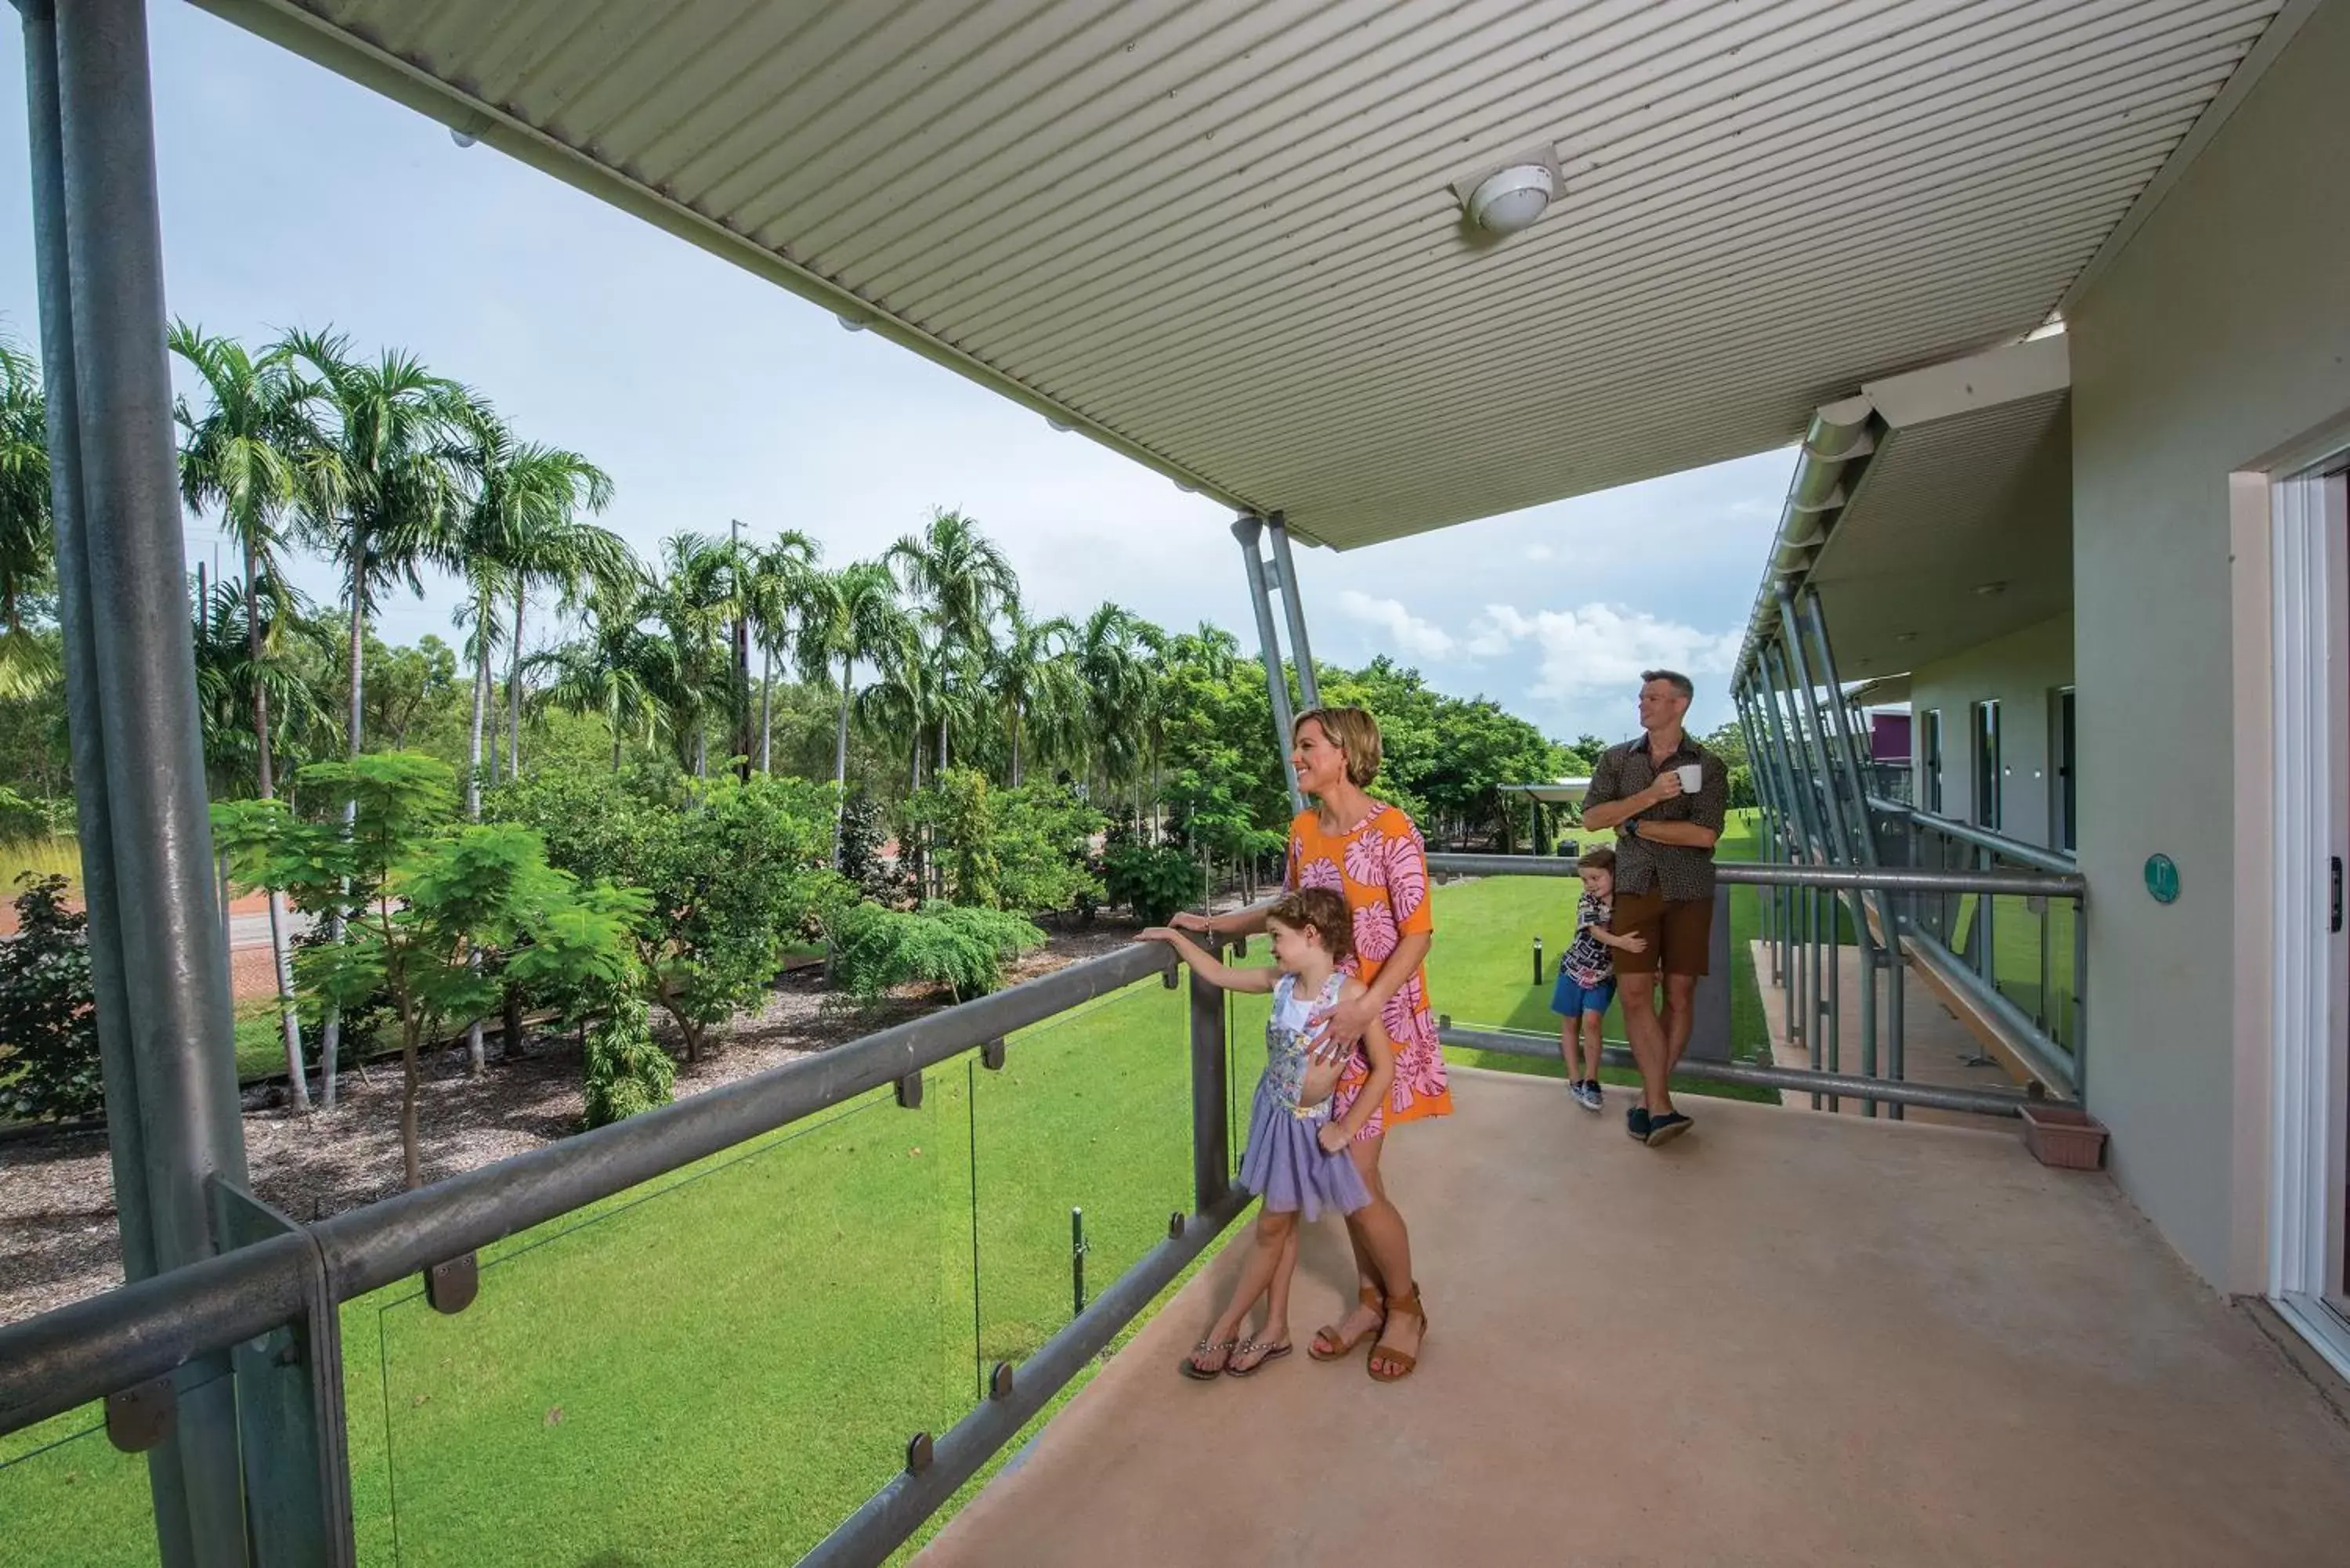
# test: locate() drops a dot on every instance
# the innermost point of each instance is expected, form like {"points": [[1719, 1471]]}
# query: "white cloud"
{"points": [[1604, 647], [1538, 552], [1409, 634]]}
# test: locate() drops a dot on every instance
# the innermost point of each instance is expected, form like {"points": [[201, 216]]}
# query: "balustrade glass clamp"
{"points": [[1170, 976], [991, 1055], [139, 1417], [450, 1287], [1175, 1226], [1240, 947], [910, 1091], [999, 1381], [918, 1453]]}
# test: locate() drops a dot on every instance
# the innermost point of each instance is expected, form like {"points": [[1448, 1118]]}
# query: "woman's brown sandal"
{"points": [[1330, 1345], [1387, 1366]]}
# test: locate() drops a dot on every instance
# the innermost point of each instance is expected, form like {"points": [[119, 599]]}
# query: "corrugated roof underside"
{"points": [[1224, 230], [1947, 508]]}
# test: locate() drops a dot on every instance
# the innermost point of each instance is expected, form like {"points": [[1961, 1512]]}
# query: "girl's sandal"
{"points": [[1258, 1352], [1387, 1366], [1330, 1345], [1221, 1349]]}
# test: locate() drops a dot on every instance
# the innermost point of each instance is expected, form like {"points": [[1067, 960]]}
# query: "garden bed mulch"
{"points": [[57, 1239]]}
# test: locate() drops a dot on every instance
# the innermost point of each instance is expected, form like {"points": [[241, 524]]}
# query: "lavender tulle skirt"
{"points": [[1286, 1166]]}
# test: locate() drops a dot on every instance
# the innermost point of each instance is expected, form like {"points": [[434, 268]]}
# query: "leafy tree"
{"points": [[48, 1020], [960, 812], [1153, 880], [422, 899], [732, 870], [1043, 841]]}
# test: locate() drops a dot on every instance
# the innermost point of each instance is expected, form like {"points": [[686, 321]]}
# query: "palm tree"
{"points": [[237, 462], [376, 493], [520, 530], [1032, 681], [1109, 658], [959, 579], [606, 670], [694, 601], [28, 542], [779, 585], [850, 615]]}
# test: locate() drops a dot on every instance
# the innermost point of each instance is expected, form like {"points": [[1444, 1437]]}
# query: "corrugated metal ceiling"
{"points": [[1220, 236]]}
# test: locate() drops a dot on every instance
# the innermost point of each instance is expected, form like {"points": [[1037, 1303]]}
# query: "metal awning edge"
{"points": [[319, 40], [1844, 439]]}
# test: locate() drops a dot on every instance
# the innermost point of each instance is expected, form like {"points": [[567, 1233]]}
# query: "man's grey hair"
{"points": [[1672, 678]]}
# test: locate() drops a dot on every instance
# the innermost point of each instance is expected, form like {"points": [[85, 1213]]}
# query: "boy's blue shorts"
{"points": [[1570, 998]]}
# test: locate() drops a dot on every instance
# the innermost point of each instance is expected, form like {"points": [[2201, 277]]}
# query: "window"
{"points": [[1987, 768], [2062, 751], [1929, 761]]}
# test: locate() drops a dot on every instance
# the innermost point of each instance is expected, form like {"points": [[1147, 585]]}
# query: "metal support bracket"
{"points": [[450, 1287], [919, 1451], [1175, 1226], [289, 1407], [991, 1055], [139, 1418], [909, 1092], [999, 1381]]}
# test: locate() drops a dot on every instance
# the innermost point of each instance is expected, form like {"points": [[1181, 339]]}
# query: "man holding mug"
{"points": [[1665, 795]]}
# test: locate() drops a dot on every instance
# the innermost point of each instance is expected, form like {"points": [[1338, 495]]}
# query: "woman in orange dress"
{"points": [[1372, 855]]}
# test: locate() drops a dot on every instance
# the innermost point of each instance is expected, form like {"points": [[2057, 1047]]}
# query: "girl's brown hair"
{"points": [[1321, 911], [1598, 857], [1353, 731]]}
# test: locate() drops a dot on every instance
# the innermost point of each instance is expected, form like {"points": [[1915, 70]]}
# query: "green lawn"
{"points": [[1481, 970], [718, 1368]]}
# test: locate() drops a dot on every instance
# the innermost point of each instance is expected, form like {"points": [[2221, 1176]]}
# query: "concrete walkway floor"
{"points": [[1786, 1339]]}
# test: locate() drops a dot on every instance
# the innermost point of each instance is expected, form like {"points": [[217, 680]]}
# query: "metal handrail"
{"points": [[73, 1355], [2015, 849], [2060, 884]]}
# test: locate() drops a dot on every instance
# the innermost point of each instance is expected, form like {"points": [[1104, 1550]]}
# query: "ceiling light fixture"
{"points": [[849, 323], [1511, 199], [1987, 590]]}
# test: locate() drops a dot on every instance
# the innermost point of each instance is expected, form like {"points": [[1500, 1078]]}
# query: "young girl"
{"points": [[1297, 1159], [1587, 976]]}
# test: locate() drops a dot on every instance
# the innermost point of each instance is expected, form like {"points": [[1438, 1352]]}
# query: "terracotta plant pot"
{"points": [[2065, 1137]]}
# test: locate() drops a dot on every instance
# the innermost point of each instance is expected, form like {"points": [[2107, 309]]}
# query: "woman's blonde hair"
{"points": [[1352, 731]]}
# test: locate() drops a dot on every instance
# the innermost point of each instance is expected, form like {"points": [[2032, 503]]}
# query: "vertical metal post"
{"points": [[157, 947], [1800, 911], [1211, 1158], [1819, 846], [1301, 652], [1268, 642], [1847, 752], [2081, 1000], [1758, 770], [1840, 835]]}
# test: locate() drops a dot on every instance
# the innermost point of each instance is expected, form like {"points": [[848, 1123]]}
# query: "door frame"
{"points": [[2309, 1100]]}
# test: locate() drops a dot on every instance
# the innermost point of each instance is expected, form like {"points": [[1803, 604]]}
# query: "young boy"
{"points": [[1586, 975]]}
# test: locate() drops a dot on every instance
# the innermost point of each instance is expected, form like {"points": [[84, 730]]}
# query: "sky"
{"points": [[292, 198]]}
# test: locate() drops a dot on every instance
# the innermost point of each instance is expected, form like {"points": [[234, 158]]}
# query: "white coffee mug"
{"points": [[1692, 777]]}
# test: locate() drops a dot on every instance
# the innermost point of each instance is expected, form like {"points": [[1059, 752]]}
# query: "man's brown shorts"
{"points": [[1679, 931]]}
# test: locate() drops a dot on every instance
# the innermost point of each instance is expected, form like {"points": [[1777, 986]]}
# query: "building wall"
{"points": [[2021, 672], [2221, 333]]}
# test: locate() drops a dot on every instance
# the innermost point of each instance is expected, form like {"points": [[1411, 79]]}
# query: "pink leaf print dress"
{"points": [[1381, 867]]}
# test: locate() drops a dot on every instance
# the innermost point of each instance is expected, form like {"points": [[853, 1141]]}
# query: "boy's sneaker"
{"points": [[1636, 1122], [1588, 1095], [1666, 1128]]}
